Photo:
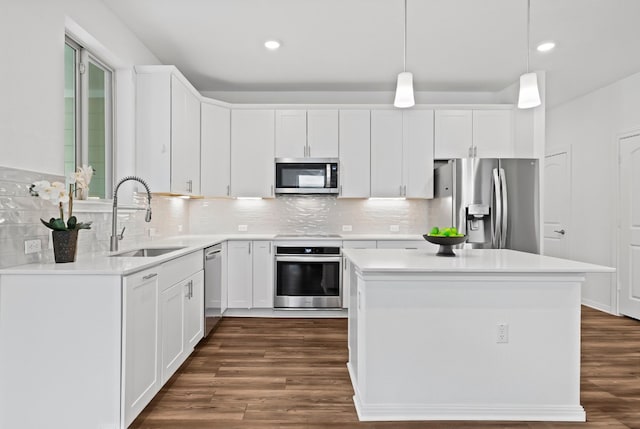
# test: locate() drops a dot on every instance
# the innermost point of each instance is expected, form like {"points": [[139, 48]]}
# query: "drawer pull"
{"points": [[149, 276]]}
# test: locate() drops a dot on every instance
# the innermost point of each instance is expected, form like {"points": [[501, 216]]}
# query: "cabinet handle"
{"points": [[309, 150], [470, 152], [190, 289], [249, 248], [475, 152], [228, 190], [149, 276], [271, 190], [400, 190], [340, 190], [189, 185], [404, 191]]}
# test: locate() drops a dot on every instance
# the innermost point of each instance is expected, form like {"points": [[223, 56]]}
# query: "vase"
{"points": [[65, 245]]}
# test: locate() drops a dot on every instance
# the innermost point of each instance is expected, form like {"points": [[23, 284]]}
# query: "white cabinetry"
{"points": [[402, 153], [346, 267], [302, 133], [141, 373], [194, 310], [474, 133], [252, 153], [167, 130], [250, 274], [215, 162], [172, 340], [355, 153]]}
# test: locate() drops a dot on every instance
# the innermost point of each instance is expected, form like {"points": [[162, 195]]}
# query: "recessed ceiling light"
{"points": [[546, 46], [272, 45]]}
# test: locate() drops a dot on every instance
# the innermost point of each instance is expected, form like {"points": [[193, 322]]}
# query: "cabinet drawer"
{"points": [[180, 268]]}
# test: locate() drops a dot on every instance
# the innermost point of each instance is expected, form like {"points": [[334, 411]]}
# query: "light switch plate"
{"points": [[32, 246]]}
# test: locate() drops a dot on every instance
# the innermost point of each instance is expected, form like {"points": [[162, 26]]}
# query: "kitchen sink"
{"points": [[146, 252]]}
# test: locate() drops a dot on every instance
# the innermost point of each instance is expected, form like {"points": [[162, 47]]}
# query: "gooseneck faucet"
{"points": [[115, 237]]}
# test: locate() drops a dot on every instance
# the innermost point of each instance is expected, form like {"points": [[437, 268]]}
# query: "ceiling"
{"points": [[357, 45]]}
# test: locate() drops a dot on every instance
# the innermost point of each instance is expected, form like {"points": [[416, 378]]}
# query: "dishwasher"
{"points": [[212, 287]]}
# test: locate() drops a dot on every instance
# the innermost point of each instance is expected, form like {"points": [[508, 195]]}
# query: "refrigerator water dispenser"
{"points": [[478, 223]]}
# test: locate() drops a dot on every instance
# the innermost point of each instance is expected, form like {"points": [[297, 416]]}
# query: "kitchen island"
{"points": [[486, 335]]}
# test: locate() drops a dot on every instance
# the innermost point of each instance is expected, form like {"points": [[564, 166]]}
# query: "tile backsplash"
{"points": [[20, 215]]}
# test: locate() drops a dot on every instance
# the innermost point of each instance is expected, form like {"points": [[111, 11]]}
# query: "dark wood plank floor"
{"points": [[291, 373]]}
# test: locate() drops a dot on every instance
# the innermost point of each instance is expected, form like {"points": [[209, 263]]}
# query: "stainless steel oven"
{"points": [[308, 276]]}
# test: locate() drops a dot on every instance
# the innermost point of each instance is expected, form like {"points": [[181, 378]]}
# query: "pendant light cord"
{"points": [[405, 37], [528, 30]]}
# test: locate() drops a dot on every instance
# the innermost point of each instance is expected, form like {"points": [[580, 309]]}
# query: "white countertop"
{"points": [[467, 260], [102, 264]]}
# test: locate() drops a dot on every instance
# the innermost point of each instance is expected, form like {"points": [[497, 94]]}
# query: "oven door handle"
{"points": [[308, 258]]}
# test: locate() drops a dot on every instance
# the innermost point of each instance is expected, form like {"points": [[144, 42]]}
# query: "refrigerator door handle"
{"points": [[505, 207], [496, 218]]}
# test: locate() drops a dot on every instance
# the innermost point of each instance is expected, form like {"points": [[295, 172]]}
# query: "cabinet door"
{"points": [[263, 274], [493, 133], [252, 149], [172, 328], [453, 134], [322, 133], [239, 274], [386, 153], [291, 133], [417, 152], [215, 162], [194, 311], [185, 139], [141, 365], [355, 153]]}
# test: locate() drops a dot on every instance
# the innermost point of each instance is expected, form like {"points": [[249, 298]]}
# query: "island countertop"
{"points": [[466, 260]]}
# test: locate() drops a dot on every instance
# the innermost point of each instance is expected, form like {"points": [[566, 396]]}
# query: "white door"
{"points": [[185, 139], [417, 151], [239, 274], [172, 329], [262, 274], [252, 148], [322, 133], [215, 159], [194, 311], [629, 252], [557, 200], [291, 133], [355, 153], [453, 134], [493, 133], [386, 153]]}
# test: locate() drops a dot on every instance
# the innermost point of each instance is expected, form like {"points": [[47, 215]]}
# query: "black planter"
{"points": [[65, 245]]}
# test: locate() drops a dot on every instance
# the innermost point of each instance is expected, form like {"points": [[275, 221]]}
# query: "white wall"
{"points": [[590, 125], [32, 82]]}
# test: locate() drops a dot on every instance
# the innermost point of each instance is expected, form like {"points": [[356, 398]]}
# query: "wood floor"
{"points": [[291, 373]]}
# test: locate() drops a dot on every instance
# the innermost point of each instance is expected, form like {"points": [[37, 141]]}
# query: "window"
{"points": [[88, 101]]}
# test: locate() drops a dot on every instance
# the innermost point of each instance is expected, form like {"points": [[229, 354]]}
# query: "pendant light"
{"points": [[529, 95], [404, 89]]}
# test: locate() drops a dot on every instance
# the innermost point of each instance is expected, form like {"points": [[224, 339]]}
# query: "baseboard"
{"points": [[599, 306], [490, 412], [298, 314]]}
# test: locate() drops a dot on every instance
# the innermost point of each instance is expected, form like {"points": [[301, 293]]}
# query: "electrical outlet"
{"points": [[394, 228], [180, 228], [32, 246], [347, 228], [243, 228], [502, 333]]}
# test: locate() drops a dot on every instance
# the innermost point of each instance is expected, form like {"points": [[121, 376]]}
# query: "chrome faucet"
{"points": [[115, 237]]}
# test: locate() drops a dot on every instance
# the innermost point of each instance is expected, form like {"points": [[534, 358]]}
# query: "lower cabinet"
{"points": [[250, 274], [346, 266], [140, 343]]}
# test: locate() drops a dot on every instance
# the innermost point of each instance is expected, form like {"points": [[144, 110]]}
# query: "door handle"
{"points": [[561, 232]]}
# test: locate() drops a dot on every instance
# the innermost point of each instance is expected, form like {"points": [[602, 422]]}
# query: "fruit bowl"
{"points": [[445, 243]]}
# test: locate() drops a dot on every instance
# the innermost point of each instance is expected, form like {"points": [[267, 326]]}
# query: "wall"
{"points": [[314, 214], [590, 125], [32, 81]]}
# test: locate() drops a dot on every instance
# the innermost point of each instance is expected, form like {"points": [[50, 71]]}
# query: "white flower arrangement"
{"points": [[57, 194]]}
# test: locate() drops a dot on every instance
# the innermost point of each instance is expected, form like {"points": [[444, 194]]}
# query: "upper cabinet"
{"points": [[252, 153], [215, 149], [355, 154], [474, 133], [306, 134], [167, 130], [402, 153]]}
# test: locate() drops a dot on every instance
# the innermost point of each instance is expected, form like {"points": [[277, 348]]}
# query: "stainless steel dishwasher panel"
{"points": [[212, 287]]}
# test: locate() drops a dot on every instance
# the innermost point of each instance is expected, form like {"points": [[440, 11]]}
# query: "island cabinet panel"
{"points": [[252, 153], [141, 371], [355, 154]]}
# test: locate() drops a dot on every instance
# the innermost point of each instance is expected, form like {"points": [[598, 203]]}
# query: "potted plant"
{"points": [[64, 233]]}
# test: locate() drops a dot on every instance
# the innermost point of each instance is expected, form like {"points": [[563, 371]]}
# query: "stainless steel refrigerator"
{"points": [[495, 202]]}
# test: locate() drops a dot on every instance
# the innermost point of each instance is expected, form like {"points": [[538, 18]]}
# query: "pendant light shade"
{"points": [[529, 95], [404, 90]]}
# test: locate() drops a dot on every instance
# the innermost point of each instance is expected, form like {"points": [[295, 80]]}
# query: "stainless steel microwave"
{"points": [[306, 176]]}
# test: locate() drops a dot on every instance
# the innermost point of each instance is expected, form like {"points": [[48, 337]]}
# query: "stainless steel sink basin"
{"points": [[146, 252]]}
